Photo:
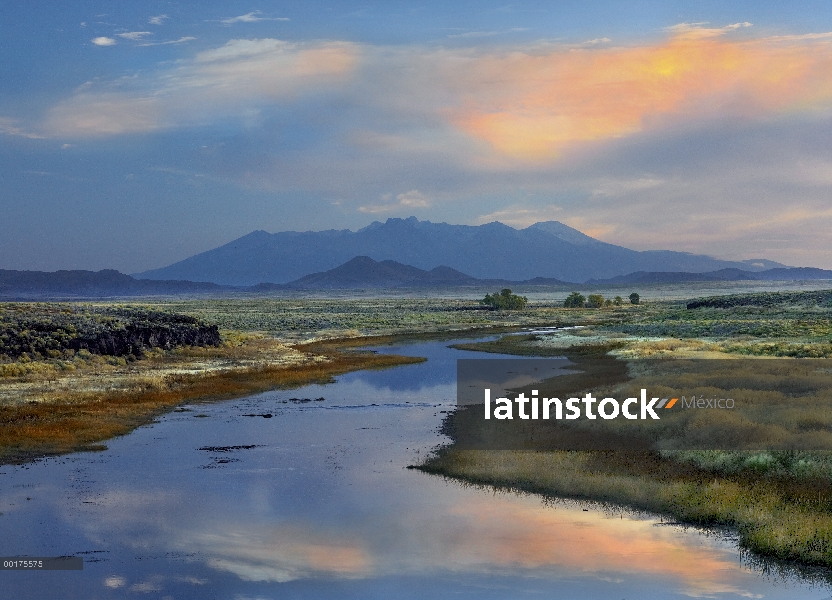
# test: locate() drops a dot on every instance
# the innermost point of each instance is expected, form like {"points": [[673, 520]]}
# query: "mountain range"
{"points": [[364, 272], [360, 272], [777, 274], [93, 284], [548, 249]]}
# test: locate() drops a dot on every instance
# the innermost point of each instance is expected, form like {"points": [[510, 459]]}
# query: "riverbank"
{"points": [[780, 518], [778, 503], [46, 415], [75, 400]]}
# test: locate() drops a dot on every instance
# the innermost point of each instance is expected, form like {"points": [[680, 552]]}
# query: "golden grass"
{"points": [[65, 421], [779, 510]]}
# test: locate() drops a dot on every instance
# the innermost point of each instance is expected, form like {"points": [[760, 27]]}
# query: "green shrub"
{"points": [[505, 300], [574, 300], [34, 331], [595, 301]]}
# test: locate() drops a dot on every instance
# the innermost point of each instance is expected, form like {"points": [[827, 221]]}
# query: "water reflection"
{"points": [[315, 503]]}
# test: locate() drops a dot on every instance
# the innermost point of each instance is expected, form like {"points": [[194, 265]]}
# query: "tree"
{"points": [[505, 300], [634, 298], [574, 300], [595, 301], [618, 301]]}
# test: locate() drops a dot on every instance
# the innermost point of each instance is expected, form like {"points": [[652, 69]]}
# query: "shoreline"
{"points": [[84, 419], [796, 523], [780, 517]]}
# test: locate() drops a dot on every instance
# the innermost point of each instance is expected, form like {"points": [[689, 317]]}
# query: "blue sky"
{"points": [[133, 135]]}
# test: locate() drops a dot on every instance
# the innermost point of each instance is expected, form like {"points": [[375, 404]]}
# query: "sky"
{"points": [[133, 135]]}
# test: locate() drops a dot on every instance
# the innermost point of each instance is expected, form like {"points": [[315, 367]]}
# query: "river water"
{"points": [[315, 502]]}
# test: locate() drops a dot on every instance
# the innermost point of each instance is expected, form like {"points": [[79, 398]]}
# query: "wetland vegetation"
{"points": [[778, 501], [55, 397]]}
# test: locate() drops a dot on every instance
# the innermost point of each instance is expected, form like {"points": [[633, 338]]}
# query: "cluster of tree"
{"points": [[54, 330], [505, 300], [576, 300]]}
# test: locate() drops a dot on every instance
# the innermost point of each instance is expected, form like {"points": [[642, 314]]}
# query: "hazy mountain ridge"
{"points": [[359, 272], [492, 251], [776, 274], [364, 272], [93, 284]]}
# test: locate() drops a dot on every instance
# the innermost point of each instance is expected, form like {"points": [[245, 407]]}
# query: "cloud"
{"points": [[474, 34], [696, 31], [481, 34], [158, 19], [115, 582], [531, 104], [547, 102], [231, 79], [520, 217], [105, 114], [408, 200], [616, 187], [413, 199], [181, 40], [740, 192], [134, 35], [245, 49], [637, 144], [252, 17], [104, 41], [9, 126]]}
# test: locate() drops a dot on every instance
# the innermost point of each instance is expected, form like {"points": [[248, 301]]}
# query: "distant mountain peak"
{"points": [[363, 271], [549, 249], [564, 232], [257, 233], [393, 222]]}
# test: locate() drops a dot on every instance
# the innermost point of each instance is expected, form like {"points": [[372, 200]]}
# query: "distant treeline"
{"points": [[765, 299], [54, 330]]}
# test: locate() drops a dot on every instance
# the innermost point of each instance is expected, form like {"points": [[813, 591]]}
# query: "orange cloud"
{"points": [[535, 106]]}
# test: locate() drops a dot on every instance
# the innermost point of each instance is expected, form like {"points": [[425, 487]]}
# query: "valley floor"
{"points": [[76, 400], [780, 503]]}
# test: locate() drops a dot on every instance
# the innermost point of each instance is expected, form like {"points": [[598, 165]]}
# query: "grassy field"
{"points": [[62, 389], [311, 319]]}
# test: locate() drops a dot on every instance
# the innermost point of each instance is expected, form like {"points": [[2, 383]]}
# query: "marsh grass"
{"points": [[779, 502], [63, 420], [312, 319]]}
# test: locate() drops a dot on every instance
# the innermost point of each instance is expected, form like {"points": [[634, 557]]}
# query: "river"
{"points": [[304, 494]]}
